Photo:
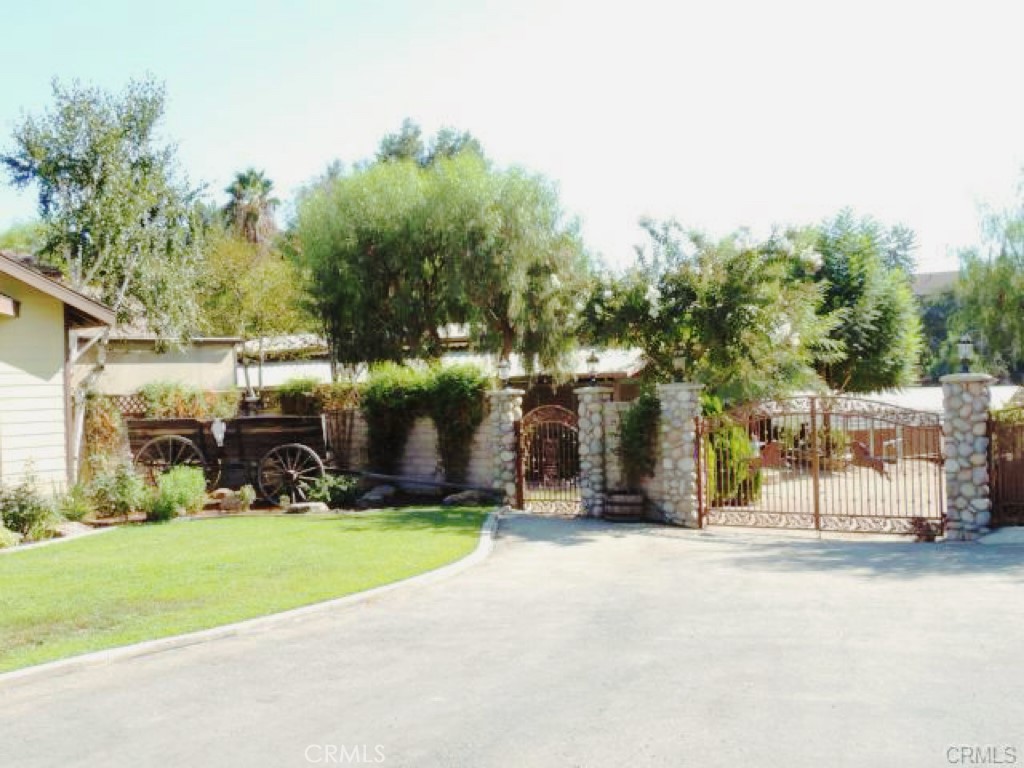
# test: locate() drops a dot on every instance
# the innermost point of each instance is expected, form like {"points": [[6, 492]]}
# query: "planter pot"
{"points": [[624, 507]]}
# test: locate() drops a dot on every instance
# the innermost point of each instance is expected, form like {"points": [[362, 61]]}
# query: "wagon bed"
{"points": [[281, 455]]}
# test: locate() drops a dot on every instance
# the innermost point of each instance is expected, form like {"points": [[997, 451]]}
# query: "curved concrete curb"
{"points": [[484, 547], [54, 542]]}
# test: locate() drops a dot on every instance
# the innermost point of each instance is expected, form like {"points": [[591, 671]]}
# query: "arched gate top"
{"points": [[551, 414]]}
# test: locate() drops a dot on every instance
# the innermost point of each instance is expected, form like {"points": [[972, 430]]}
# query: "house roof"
{"points": [[931, 283], [86, 312]]}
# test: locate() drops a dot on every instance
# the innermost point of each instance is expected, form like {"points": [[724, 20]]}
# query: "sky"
{"points": [[721, 114]]}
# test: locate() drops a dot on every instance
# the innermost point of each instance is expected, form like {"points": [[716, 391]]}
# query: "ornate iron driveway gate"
{"points": [[548, 478], [824, 464]]}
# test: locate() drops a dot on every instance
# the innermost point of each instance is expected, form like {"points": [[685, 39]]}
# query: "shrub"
{"points": [[117, 490], [456, 406], [9, 538], [185, 487], [336, 396], [732, 480], [160, 508], [299, 385], [296, 395], [246, 496], [336, 491], [638, 432], [175, 400], [75, 504], [105, 432], [25, 511], [391, 400]]}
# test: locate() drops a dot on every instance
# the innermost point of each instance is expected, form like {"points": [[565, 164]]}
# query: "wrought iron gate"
{"points": [[824, 464], [548, 477], [1006, 452]]}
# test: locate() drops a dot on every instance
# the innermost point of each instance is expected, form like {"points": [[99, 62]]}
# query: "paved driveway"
{"points": [[584, 644]]}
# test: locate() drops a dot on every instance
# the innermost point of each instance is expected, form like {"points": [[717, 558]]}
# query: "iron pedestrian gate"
{"points": [[548, 462], [1006, 470], [824, 464]]}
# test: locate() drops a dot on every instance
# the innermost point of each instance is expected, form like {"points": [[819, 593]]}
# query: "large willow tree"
{"points": [[402, 249]]}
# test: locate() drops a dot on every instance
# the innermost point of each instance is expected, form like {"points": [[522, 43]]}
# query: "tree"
{"points": [[248, 293], [24, 237], [400, 249], [868, 289], [116, 218], [408, 144], [730, 309], [990, 293], [250, 210]]}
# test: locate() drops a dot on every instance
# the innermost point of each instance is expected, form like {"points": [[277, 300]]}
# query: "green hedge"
{"points": [[395, 396]]}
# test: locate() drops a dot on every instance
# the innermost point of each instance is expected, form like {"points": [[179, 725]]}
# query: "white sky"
{"points": [[722, 114]]}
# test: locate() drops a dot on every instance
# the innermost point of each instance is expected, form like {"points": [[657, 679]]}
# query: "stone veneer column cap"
{"points": [[689, 385], [966, 378], [596, 390], [507, 392]]}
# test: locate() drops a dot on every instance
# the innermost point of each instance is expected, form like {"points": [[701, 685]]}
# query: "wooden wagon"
{"points": [[279, 455]]}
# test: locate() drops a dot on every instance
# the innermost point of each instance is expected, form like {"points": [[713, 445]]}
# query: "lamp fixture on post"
{"points": [[679, 365], [592, 362], [965, 350], [504, 369]]}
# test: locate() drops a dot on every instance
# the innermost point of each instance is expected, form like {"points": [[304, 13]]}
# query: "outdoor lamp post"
{"points": [[965, 349], [592, 362], [504, 369], [679, 365]]}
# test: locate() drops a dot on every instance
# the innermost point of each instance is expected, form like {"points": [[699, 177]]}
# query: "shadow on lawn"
{"points": [[407, 519], [767, 552]]}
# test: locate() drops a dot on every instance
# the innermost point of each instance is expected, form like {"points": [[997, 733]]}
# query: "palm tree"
{"points": [[250, 211]]}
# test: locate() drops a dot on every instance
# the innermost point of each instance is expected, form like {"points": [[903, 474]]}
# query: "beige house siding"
{"points": [[133, 364], [32, 416]]}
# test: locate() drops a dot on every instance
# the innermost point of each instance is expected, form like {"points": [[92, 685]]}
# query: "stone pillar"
{"points": [[680, 407], [966, 398], [506, 410], [591, 442]]}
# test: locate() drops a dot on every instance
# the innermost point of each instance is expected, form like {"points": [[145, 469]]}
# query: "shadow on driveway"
{"points": [[767, 552]]}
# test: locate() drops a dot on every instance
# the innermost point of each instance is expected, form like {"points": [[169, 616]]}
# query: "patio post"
{"points": [[680, 408], [506, 410], [966, 398], [591, 443]]}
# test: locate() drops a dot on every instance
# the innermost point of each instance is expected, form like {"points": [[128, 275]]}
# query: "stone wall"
{"points": [[421, 459]]}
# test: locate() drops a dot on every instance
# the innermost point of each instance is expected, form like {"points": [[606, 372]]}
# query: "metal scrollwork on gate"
{"points": [[824, 463], [549, 459]]}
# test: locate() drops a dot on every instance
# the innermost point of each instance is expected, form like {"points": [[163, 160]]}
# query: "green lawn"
{"points": [[148, 581]]}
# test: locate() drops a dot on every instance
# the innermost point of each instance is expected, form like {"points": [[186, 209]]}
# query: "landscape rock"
{"points": [[467, 498], [305, 507], [375, 496]]}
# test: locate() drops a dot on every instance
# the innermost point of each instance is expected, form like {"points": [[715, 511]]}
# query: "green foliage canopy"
{"points": [[867, 287], [990, 293], [117, 218], [731, 309], [399, 250]]}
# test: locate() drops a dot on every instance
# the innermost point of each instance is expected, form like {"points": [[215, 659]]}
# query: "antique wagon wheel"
{"points": [[166, 451], [289, 469]]}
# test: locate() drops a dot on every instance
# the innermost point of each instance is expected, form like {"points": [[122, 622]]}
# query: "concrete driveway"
{"points": [[579, 643]]}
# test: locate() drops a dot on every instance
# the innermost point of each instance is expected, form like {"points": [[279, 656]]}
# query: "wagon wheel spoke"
{"points": [[289, 469], [165, 452]]}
